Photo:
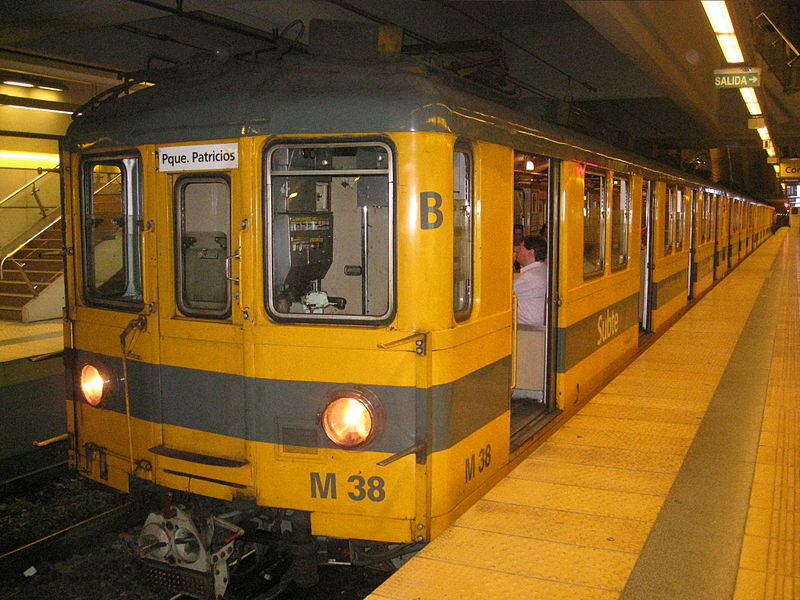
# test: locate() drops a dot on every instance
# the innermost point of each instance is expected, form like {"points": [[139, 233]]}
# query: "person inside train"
{"points": [[519, 234], [530, 284]]}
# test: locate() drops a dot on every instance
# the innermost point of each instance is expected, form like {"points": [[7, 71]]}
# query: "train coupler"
{"points": [[186, 559]]}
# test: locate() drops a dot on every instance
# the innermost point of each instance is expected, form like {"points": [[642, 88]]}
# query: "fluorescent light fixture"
{"points": [[730, 47], [720, 19], [24, 84], [27, 160], [718, 16], [763, 133], [50, 110], [750, 101]]}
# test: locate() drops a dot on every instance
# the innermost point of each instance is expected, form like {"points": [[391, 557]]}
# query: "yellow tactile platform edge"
{"points": [[769, 566], [570, 521]]}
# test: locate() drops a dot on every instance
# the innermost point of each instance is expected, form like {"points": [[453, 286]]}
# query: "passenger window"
{"points": [[594, 224], [202, 243], [620, 221], [111, 211], [680, 217], [669, 219], [462, 232], [330, 227], [648, 189]]}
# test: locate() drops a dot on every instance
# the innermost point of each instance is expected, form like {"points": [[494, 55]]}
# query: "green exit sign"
{"points": [[737, 78]]}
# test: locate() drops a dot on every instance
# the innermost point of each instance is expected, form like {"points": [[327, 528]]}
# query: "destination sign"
{"points": [[205, 157], [737, 78], [790, 168]]}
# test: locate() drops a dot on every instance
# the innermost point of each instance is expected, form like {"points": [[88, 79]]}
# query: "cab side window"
{"points": [[111, 220]]}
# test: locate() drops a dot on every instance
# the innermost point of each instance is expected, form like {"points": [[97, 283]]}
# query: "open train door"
{"points": [[202, 387], [533, 397]]}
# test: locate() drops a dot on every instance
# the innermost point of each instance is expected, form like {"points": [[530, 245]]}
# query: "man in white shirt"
{"points": [[530, 284]]}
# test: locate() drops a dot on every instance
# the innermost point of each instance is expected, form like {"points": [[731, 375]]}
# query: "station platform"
{"points": [[678, 481], [32, 387], [24, 340]]}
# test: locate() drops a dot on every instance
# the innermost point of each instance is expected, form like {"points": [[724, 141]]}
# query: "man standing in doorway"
{"points": [[530, 285]]}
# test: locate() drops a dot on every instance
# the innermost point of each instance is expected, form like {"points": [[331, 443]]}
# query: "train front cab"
{"points": [[222, 310]]}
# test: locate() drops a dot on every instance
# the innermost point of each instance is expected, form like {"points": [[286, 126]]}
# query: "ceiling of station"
{"points": [[639, 74]]}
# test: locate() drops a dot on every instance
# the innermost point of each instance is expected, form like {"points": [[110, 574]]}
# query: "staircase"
{"points": [[31, 263], [33, 268]]}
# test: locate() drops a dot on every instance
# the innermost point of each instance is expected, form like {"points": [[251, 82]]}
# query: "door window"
{"points": [[594, 224], [462, 232], [620, 222], [203, 245]]}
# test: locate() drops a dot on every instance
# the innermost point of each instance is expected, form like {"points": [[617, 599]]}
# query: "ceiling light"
{"points": [[763, 133], [718, 16], [750, 100], [24, 84], [27, 160], [720, 19], [27, 80], [50, 110]]}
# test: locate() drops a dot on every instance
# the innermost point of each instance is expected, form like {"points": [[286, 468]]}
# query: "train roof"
{"points": [[301, 94]]}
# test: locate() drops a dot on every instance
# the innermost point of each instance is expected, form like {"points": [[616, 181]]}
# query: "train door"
{"points": [[202, 358], [692, 242], [536, 210], [720, 241], [646, 257]]}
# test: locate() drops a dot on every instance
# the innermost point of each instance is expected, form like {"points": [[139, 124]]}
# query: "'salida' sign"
{"points": [[737, 77]]}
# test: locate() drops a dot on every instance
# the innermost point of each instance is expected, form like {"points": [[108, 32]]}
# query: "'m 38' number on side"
{"points": [[361, 488], [481, 460]]}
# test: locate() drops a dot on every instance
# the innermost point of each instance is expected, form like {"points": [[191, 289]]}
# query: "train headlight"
{"points": [[349, 420], [93, 384]]}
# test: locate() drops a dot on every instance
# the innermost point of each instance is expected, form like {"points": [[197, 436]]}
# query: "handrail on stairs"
{"points": [[42, 173], [7, 252]]}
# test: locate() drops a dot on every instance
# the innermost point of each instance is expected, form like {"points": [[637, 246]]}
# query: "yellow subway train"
{"points": [[290, 311]]}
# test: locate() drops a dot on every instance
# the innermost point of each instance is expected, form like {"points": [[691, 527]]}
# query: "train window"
{"points": [[202, 245], [710, 217], [648, 190], [706, 217], [620, 221], [594, 224], [680, 217], [330, 227], [111, 213], [669, 219], [462, 232]]}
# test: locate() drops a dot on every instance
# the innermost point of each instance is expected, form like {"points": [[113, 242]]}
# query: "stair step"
{"points": [[20, 287], [13, 275], [14, 300], [36, 264], [36, 243], [11, 314]]}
